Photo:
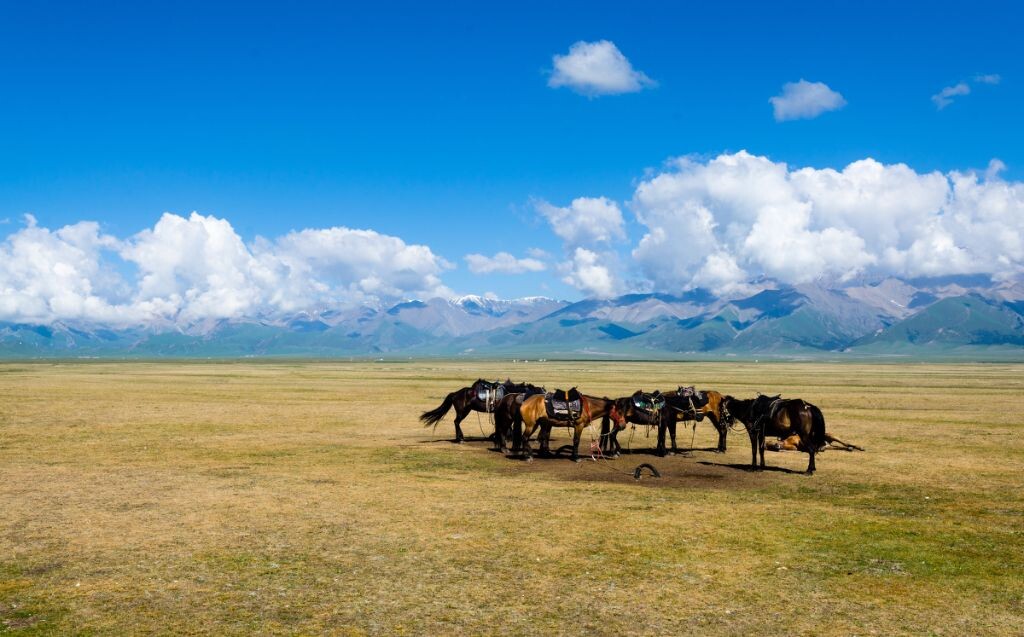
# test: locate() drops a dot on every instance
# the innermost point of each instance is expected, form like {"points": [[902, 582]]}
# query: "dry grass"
{"points": [[240, 498]]}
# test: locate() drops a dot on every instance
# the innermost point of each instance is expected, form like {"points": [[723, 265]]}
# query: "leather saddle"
{"points": [[563, 405], [489, 393], [648, 402], [693, 397]]}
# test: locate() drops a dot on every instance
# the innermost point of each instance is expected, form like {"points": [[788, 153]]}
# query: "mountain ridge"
{"points": [[956, 316]]}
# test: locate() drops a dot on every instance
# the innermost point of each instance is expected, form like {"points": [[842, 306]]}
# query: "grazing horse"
{"points": [[679, 407], [772, 416], [469, 399], [533, 414]]}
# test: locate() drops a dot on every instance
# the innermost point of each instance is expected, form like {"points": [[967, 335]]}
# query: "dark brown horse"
{"points": [[639, 409], [772, 416], [470, 399], [679, 407], [534, 415]]}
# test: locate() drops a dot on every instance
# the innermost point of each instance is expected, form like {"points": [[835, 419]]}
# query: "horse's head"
{"points": [[733, 408], [618, 411]]}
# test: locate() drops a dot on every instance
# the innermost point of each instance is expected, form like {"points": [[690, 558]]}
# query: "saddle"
{"points": [[648, 402], [530, 391], [489, 393], [693, 397], [563, 405]]}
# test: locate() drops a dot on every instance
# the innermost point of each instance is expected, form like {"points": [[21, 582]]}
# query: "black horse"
{"points": [[639, 409], [773, 416], [482, 396], [688, 404]]}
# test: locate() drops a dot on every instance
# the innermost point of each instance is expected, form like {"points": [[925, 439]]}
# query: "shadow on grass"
{"points": [[742, 466]]}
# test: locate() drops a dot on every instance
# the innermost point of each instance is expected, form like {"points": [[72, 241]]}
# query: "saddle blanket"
{"points": [[563, 405]]}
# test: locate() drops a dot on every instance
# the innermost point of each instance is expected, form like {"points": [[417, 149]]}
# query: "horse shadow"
{"points": [[742, 466]]}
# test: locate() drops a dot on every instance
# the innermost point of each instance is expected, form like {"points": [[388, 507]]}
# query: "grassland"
{"points": [[304, 498]]}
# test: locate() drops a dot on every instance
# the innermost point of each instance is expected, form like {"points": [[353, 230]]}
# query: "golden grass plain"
{"points": [[288, 497]]}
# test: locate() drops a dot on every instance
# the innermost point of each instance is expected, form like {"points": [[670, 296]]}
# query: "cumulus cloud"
{"points": [[805, 100], [591, 273], [503, 263], [597, 68], [586, 221], [195, 268], [723, 222]]}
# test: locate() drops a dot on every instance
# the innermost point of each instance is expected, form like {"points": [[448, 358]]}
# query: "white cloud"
{"points": [[597, 68], [590, 273], [587, 221], [992, 78], [195, 268], [805, 100], [48, 275], [945, 97], [723, 222], [503, 263]]}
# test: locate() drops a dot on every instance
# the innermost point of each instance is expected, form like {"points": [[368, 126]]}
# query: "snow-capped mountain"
{"points": [[971, 315]]}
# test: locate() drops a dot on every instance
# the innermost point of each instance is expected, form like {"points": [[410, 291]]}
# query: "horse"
{"points": [[772, 416], [680, 407], [639, 409], [533, 414], [468, 399], [507, 421], [793, 444]]}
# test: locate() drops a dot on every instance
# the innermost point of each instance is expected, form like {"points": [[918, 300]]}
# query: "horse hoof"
{"points": [[529, 458]]}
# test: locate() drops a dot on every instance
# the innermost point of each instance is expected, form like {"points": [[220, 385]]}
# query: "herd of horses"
{"points": [[521, 409]]}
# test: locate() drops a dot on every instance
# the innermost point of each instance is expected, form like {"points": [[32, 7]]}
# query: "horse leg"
{"points": [[524, 441], [753, 448], [662, 427], [760, 445], [544, 437], [461, 412], [809, 446], [672, 434], [722, 432], [577, 431]]}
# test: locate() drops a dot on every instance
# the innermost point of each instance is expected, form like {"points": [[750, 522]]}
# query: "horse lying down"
{"points": [[793, 443]]}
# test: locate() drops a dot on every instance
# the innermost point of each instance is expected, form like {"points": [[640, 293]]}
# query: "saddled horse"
{"points": [[682, 405], [640, 409], [773, 416], [533, 413], [507, 421], [482, 396]]}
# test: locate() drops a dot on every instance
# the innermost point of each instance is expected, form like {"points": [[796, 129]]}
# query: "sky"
{"points": [[334, 153]]}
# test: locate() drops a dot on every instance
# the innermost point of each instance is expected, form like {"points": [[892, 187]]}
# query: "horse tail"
{"points": [[817, 427], [434, 416]]}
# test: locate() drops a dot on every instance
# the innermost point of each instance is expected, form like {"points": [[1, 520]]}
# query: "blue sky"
{"points": [[434, 122]]}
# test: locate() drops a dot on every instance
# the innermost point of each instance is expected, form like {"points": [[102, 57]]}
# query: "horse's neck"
{"points": [[596, 407]]}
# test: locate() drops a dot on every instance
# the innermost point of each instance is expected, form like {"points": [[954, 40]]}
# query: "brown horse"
{"points": [[681, 408], [468, 399], [793, 444], [507, 421], [533, 414], [772, 416]]}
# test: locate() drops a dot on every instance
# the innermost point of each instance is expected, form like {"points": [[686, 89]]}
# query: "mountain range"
{"points": [[967, 317]]}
